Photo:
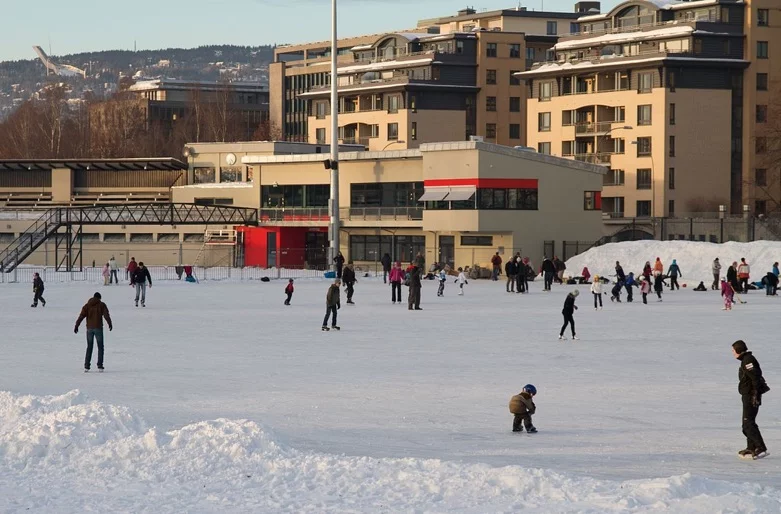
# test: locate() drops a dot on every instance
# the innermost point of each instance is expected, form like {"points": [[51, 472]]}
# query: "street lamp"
{"points": [[393, 143], [653, 182]]}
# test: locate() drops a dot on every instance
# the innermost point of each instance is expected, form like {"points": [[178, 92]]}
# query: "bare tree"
{"points": [[765, 182]]}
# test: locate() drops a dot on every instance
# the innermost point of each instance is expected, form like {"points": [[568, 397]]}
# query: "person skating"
{"points": [[289, 291], [139, 279], [728, 294], [106, 274], [413, 300], [38, 288], [113, 265], [732, 276], [496, 262], [131, 268], [524, 271], [744, 273], [511, 271], [386, 267], [520, 278], [628, 285], [596, 290], [560, 269], [94, 311], [461, 280], [569, 311], [523, 408], [396, 278], [658, 267], [332, 304], [647, 271], [339, 261], [548, 272], [659, 283], [620, 281], [645, 289], [442, 277], [716, 270], [673, 273], [348, 278], [751, 386]]}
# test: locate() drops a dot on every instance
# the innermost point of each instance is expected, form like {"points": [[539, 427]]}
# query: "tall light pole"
{"points": [[393, 143], [334, 222]]}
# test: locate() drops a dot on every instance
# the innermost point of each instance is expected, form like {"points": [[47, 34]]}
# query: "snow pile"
{"points": [[81, 455], [694, 258]]}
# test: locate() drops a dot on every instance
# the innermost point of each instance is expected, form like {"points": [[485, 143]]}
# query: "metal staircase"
{"points": [[65, 225]]}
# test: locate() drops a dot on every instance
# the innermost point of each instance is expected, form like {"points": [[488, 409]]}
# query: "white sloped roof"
{"points": [[625, 37]]}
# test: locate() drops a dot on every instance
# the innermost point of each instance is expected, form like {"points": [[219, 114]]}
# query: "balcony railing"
{"points": [[593, 128], [594, 158], [321, 214], [609, 183]]}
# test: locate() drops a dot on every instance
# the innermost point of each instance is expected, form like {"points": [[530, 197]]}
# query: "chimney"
{"points": [[588, 7]]}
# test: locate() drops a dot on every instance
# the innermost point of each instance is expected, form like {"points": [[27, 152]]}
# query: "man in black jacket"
{"points": [[38, 291], [339, 261], [751, 386], [413, 302], [568, 311], [386, 267], [510, 270], [732, 277], [348, 277], [139, 278], [548, 271]]}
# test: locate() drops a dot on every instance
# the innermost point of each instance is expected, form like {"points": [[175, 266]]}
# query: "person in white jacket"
{"points": [[596, 290], [461, 280]]}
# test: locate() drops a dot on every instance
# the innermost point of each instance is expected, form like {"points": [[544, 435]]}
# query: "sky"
{"points": [[72, 26]]}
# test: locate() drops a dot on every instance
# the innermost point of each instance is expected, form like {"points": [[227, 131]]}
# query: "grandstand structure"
{"points": [[53, 68]]}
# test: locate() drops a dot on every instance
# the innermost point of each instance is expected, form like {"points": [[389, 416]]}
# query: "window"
{"points": [[385, 194], [672, 114], [671, 208], [645, 82], [543, 148], [490, 130], [643, 114], [370, 248], [393, 103], [514, 81], [761, 81], [515, 131], [459, 46], [619, 145], [515, 51], [515, 104], [322, 109], [393, 131], [232, 174], [490, 103], [413, 104], [567, 118], [573, 28], [592, 201], [614, 178], [672, 146], [490, 50], [507, 199], [760, 177], [490, 76], [413, 133], [763, 17], [671, 80], [546, 90], [643, 208], [375, 131], [477, 241], [529, 53], [320, 136], [620, 113], [643, 146], [295, 196], [671, 174], [568, 148], [543, 122], [761, 49], [552, 28], [761, 145], [761, 113], [204, 176], [213, 201], [644, 179], [760, 207]]}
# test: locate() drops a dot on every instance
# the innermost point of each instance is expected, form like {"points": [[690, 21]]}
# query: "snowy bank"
{"points": [[694, 258], [69, 454]]}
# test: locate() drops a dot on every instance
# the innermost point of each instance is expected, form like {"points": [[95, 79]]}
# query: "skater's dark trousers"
{"points": [[715, 284], [568, 320], [522, 419], [645, 298], [628, 292], [141, 292], [525, 282], [519, 287], [441, 289], [744, 285], [674, 283], [350, 291], [289, 297], [754, 439], [414, 297], [396, 291], [114, 277], [597, 298], [510, 286], [548, 280], [38, 298], [338, 272], [328, 311], [659, 294], [92, 335]]}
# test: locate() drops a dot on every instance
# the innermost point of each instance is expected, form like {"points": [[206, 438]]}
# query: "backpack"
{"points": [[406, 279], [516, 405]]}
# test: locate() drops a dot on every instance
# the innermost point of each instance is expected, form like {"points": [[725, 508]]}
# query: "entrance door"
{"points": [[271, 249], [447, 250], [316, 249]]}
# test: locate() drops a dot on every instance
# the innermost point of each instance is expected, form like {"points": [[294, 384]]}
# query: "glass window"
{"points": [[643, 146], [614, 178], [671, 80], [490, 130], [671, 207], [761, 113], [761, 81], [320, 136], [393, 103], [760, 176], [529, 53], [671, 146], [546, 90], [644, 179], [762, 52], [763, 17], [393, 131], [504, 199], [385, 194], [204, 176], [232, 174], [643, 114], [566, 118], [552, 28], [477, 241], [514, 81], [515, 104], [672, 178], [490, 76], [643, 208], [515, 131], [543, 122], [567, 148], [590, 201], [515, 50], [490, 50], [413, 133], [322, 110], [490, 103], [543, 148], [645, 82], [672, 114]]}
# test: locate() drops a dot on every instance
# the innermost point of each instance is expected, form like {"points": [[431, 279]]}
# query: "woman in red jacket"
{"points": [[396, 278]]}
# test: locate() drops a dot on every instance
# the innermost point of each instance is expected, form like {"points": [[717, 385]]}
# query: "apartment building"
{"points": [[670, 96], [456, 203], [448, 79]]}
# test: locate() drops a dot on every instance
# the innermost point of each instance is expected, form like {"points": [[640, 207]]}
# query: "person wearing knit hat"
{"points": [[568, 311]]}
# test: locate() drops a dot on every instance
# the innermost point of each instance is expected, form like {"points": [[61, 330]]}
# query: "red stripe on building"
{"points": [[483, 183]]}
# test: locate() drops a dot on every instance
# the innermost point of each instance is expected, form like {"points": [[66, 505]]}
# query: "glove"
{"points": [[110, 328], [338, 306], [75, 330], [755, 402]]}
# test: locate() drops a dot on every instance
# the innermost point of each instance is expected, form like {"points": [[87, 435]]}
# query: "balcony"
{"points": [[350, 216], [594, 158], [601, 127]]}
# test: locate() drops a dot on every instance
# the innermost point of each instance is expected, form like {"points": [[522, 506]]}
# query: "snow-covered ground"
{"points": [[217, 398]]}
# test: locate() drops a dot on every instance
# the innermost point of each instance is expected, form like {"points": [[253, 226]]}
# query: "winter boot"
{"points": [[531, 430]]}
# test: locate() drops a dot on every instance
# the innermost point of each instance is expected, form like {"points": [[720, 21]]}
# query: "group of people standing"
{"points": [[517, 271]]}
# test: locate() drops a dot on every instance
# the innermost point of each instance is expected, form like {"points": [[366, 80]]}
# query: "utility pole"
{"points": [[334, 223]]}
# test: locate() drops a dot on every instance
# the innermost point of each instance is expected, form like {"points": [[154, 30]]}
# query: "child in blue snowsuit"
{"points": [[629, 284], [442, 278]]}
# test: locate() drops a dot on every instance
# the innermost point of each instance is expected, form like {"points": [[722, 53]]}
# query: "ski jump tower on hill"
{"points": [[52, 68]]}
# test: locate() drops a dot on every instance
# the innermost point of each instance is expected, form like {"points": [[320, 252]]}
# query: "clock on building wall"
{"points": [[230, 159]]}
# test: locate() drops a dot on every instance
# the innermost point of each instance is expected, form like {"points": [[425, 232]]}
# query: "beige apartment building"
{"points": [[446, 80], [456, 203], [672, 97]]}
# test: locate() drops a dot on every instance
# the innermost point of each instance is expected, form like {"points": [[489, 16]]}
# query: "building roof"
{"points": [[510, 13], [553, 68], [151, 164], [626, 37], [188, 85]]}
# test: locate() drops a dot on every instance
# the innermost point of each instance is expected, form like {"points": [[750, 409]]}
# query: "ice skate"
{"points": [[100, 369], [759, 454], [575, 338], [745, 452], [531, 430], [334, 327], [325, 329], [562, 338]]}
